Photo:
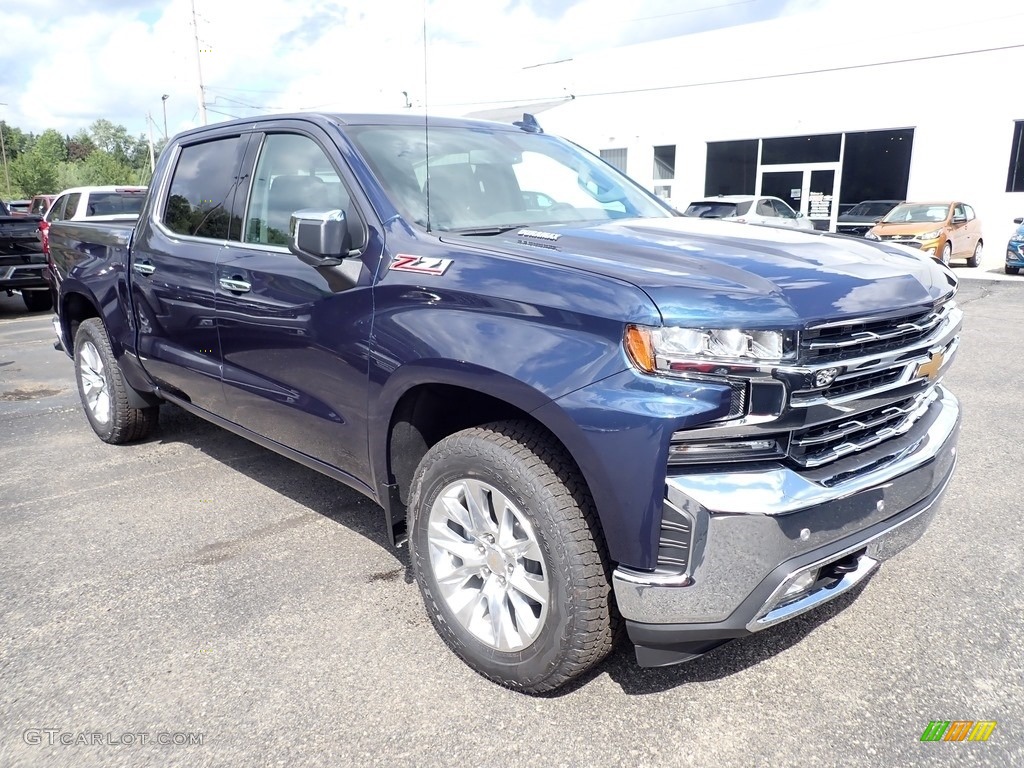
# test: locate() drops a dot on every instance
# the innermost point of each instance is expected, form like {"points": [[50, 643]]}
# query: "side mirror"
{"points": [[879, 219], [1019, 220], [320, 238], [959, 219]]}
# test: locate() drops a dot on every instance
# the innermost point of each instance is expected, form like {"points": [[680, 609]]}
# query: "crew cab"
{"points": [[580, 410]]}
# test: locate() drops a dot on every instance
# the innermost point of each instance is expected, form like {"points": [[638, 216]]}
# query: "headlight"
{"points": [[697, 350], [871, 235], [1018, 237], [930, 235]]}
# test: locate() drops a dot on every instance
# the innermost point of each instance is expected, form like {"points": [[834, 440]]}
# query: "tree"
{"points": [[104, 168], [112, 139], [32, 174], [80, 146], [50, 148]]}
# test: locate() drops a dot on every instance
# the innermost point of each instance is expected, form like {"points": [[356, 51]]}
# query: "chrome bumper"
{"points": [[757, 531]]}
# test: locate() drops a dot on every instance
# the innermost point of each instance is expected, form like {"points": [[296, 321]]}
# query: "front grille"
{"points": [[868, 336], [827, 442], [897, 238], [862, 383]]}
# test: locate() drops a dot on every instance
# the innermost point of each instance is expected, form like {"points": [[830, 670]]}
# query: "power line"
{"points": [[729, 81]]}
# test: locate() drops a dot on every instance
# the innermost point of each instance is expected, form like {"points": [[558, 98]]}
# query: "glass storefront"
{"points": [[820, 175]]}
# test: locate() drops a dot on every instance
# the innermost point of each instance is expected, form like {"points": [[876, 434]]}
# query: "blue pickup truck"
{"points": [[583, 412]]}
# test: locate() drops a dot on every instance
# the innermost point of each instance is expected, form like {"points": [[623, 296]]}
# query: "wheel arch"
{"points": [[416, 414]]}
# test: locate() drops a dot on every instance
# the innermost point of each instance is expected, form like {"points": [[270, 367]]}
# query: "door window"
{"points": [[72, 206], [764, 208], [57, 210], [202, 189], [783, 210], [970, 212], [292, 174], [958, 212]]}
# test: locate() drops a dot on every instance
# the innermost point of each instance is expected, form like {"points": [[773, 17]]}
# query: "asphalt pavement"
{"points": [[199, 590]]}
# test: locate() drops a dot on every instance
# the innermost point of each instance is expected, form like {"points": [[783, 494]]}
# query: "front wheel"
{"points": [[947, 253], [1011, 270], [508, 555], [975, 260], [104, 391]]}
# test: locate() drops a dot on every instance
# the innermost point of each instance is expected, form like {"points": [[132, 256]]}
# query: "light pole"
{"points": [[3, 151], [164, 99]]}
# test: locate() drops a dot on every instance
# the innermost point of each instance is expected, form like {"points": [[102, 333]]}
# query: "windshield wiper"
{"points": [[483, 231]]}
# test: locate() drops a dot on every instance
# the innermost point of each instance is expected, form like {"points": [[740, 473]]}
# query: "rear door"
{"points": [[295, 338], [174, 267]]}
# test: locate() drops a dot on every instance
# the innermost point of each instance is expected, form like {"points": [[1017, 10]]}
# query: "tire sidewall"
{"points": [[535, 662], [87, 333]]}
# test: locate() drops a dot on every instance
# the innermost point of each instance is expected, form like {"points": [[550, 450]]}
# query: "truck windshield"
{"points": [[482, 179]]}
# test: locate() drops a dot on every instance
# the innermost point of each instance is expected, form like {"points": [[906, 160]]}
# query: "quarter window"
{"points": [[202, 189], [56, 212], [292, 174]]}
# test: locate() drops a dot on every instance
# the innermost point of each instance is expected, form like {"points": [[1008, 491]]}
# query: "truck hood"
{"points": [[721, 274]]}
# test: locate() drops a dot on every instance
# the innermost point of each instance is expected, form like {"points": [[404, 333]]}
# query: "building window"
{"points": [[664, 191], [615, 157], [801, 149], [731, 168], [665, 162], [1015, 176], [876, 166]]}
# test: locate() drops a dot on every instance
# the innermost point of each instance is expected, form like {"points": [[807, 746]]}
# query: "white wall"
{"points": [[962, 107]]}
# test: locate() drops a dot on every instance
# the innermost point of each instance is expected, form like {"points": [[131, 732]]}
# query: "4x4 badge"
{"points": [[423, 265]]}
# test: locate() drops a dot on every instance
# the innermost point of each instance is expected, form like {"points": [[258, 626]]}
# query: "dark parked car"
{"points": [[863, 216]]}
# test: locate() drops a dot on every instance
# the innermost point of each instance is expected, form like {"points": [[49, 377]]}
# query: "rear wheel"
{"points": [[104, 391], [509, 557], [975, 260], [37, 301]]}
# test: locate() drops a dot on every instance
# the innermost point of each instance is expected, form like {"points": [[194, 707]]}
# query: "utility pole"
{"points": [[164, 99], [199, 66], [152, 153], [3, 151]]}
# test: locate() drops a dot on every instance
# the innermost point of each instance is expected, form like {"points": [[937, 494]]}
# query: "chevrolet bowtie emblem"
{"points": [[930, 370]]}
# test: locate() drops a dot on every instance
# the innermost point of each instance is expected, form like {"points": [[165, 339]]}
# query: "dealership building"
{"points": [[823, 110]]}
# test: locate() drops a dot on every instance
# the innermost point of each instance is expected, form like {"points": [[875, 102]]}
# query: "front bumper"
{"points": [[757, 532], [1015, 254]]}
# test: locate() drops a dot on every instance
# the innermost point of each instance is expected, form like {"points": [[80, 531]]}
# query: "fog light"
{"points": [[802, 583]]}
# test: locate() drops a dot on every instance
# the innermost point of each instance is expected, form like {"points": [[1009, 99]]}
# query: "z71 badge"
{"points": [[422, 265]]}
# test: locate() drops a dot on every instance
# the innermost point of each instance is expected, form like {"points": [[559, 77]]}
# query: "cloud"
{"points": [[67, 64]]}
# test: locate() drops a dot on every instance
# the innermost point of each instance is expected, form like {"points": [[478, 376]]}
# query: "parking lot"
{"points": [[200, 587]]}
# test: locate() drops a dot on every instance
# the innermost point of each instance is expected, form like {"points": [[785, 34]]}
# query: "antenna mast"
{"points": [[426, 113], [199, 66]]}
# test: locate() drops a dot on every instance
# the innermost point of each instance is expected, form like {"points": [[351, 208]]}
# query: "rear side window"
{"points": [[202, 189]]}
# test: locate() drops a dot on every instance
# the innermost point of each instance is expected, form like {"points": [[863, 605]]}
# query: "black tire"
{"points": [[1011, 270], [975, 259], [37, 301], [947, 253], [525, 464], [123, 423]]}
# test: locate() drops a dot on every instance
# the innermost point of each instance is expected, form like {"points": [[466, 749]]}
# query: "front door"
{"points": [[295, 338]]}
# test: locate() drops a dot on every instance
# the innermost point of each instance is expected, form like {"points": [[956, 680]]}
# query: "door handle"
{"points": [[235, 285], [143, 268]]}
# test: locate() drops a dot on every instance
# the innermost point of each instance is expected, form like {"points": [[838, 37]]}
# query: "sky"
{"points": [[66, 64]]}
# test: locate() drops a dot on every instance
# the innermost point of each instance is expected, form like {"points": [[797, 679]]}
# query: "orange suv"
{"points": [[945, 231]]}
